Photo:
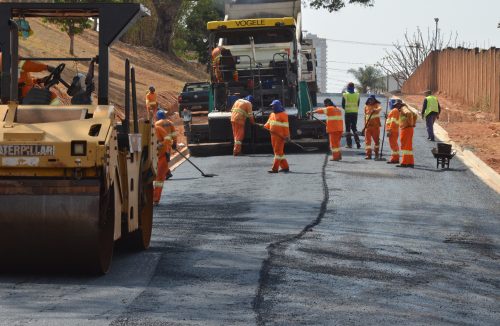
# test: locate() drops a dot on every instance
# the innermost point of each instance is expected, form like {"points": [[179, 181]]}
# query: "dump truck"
{"points": [[73, 178], [261, 55]]}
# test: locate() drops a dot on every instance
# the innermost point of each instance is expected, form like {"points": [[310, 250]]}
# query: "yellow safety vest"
{"points": [[351, 102], [432, 105]]}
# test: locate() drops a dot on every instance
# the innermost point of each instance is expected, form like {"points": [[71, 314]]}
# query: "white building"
{"points": [[321, 54]]}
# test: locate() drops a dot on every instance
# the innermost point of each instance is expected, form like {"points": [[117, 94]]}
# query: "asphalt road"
{"points": [[332, 243]]}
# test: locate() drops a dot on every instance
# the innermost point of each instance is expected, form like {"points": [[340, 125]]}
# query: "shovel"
{"points": [[197, 168], [305, 149]]}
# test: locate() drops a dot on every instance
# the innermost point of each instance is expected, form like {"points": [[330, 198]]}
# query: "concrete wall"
{"points": [[470, 75]]}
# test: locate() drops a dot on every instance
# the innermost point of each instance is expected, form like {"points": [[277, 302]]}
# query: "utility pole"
{"points": [[434, 83], [436, 38], [417, 62]]}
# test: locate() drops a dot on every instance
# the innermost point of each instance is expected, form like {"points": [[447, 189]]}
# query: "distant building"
{"points": [[321, 54], [392, 83]]}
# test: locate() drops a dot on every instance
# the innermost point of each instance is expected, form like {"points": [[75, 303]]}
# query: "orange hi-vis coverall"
{"points": [[407, 122], [151, 104], [372, 130], [278, 125], [219, 69], [392, 126], [216, 57], [167, 136], [334, 128], [242, 109], [26, 81]]}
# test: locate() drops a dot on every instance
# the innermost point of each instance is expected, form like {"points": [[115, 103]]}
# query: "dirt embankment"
{"points": [[474, 128], [167, 73]]}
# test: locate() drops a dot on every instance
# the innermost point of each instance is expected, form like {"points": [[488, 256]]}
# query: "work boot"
{"points": [[402, 165], [368, 157], [169, 175], [349, 146], [358, 145], [285, 170], [393, 162], [272, 171]]}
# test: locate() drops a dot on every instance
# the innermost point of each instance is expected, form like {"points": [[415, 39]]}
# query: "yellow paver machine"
{"points": [[73, 178]]}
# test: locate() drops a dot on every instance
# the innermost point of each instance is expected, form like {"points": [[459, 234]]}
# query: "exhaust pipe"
{"points": [[126, 123], [134, 103]]}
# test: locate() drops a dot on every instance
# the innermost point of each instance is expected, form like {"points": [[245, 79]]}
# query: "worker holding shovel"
{"points": [[407, 123], [167, 137], [392, 125], [277, 124], [334, 127], [241, 111], [372, 126]]}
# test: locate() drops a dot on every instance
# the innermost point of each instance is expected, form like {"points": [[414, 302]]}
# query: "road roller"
{"points": [[74, 178]]}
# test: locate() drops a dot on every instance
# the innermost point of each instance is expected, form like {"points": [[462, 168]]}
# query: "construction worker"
{"points": [[223, 65], [278, 126], [167, 137], [350, 104], [334, 127], [26, 82], [242, 109], [430, 112], [151, 102], [392, 126], [372, 126], [407, 122]]}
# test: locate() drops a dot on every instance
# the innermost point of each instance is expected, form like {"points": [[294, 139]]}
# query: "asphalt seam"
{"points": [[277, 248]]}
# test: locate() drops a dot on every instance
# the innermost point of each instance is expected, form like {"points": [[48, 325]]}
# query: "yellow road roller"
{"points": [[73, 178]]}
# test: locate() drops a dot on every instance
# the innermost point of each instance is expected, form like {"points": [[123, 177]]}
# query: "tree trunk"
{"points": [[167, 12], [71, 44]]}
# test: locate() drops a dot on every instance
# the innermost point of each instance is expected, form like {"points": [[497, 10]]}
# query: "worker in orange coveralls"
{"points": [[151, 102], [372, 126], [407, 122], [334, 127], [242, 109], [167, 136], [25, 68], [223, 65], [392, 126], [278, 126]]}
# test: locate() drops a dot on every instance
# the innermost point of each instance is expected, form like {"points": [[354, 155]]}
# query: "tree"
{"points": [[191, 32], [336, 5], [166, 11], [71, 26], [401, 61], [368, 77]]}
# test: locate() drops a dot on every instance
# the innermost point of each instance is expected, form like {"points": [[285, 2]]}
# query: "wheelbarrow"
{"points": [[443, 154]]}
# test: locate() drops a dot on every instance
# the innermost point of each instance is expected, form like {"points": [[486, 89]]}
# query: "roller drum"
{"points": [[61, 224]]}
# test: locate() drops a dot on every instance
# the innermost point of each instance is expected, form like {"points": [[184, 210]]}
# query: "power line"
{"points": [[351, 63], [359, 42]]}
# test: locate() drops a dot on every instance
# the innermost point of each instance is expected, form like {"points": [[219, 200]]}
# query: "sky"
{"points": [[475, 22]]}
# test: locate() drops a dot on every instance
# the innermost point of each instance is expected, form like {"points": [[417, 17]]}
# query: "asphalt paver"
{"points": [[354, 242]]}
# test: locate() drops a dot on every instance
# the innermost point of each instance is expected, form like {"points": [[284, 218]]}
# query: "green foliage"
{"points": [[71, 26], [368, 77], [191, 31], [336, 5], [142, 33]]}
